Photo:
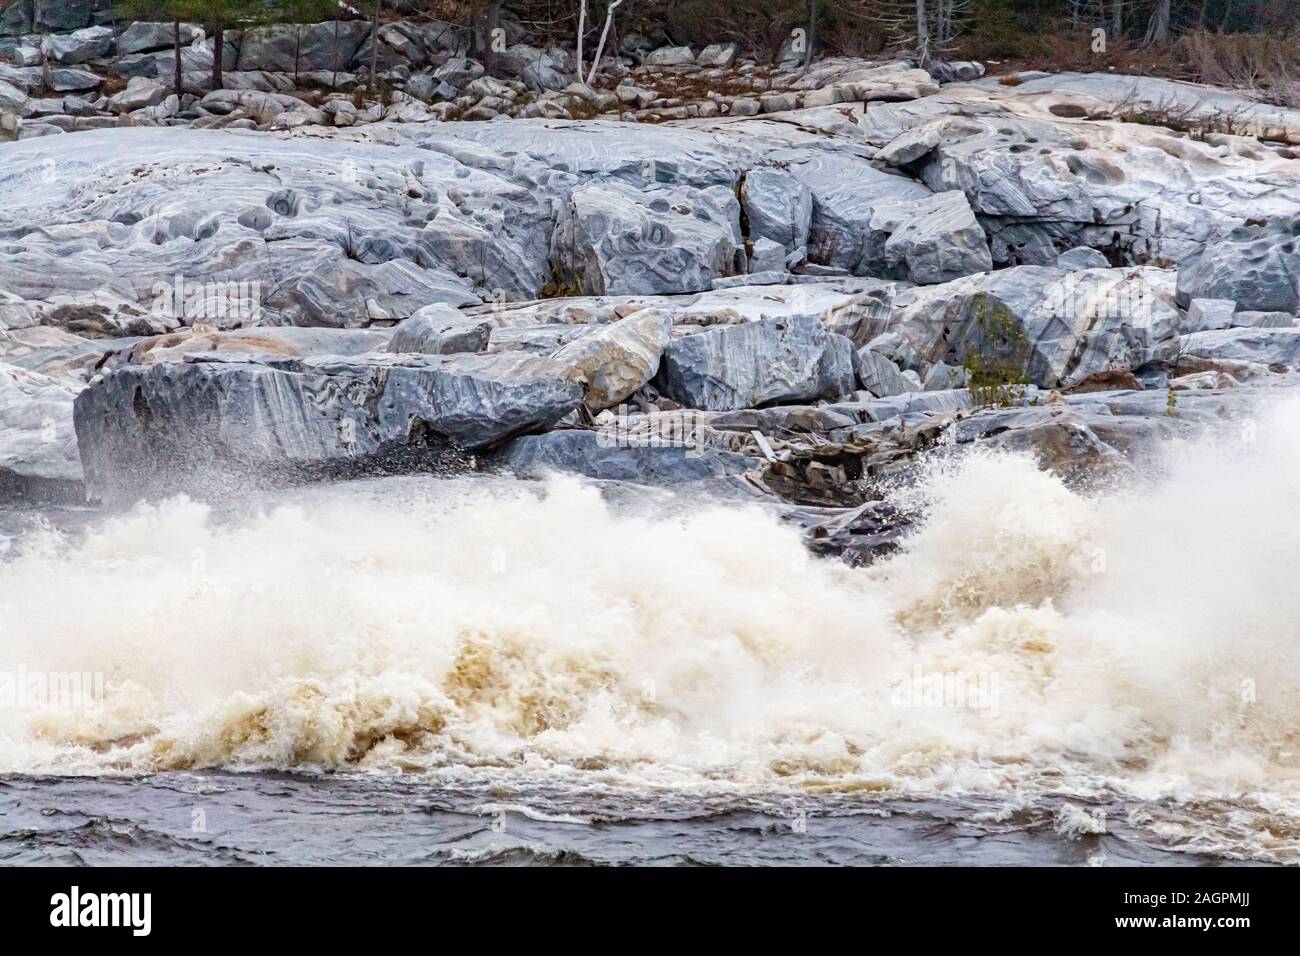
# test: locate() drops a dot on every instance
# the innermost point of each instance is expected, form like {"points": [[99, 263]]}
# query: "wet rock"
{"points": [[441, 330], [38, 451], [608, 456], [615, 360], [80, 46], [1081, 257], [174, 425], [1258, 267], [781, 360], [620, 240], [879, 376]]}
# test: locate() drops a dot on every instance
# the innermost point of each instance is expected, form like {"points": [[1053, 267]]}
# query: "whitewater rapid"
{"points": [[1027, 639]]}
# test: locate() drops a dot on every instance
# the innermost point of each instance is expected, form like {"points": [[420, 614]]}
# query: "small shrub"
{"points": [[998, 370]]}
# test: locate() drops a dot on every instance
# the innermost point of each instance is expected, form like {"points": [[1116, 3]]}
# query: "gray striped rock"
{"points": [[615, 239], [783, 360], [38, 451], [1258, 267], [145, 429]]}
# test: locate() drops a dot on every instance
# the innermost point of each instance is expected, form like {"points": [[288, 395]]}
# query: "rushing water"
{"points": [[476, 670]]}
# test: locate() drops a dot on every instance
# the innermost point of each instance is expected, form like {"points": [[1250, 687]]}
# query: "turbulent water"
{"points": [[482, 670]]}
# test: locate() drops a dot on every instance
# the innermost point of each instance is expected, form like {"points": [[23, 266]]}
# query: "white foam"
{"points": [[1146, 642]]}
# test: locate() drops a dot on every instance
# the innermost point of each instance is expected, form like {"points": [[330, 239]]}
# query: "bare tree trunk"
{"points": [[334, 79], [176, 45], [374, 49], [493, 24], [922, 33], [1117, 23], [582, 28], [812, 32], [218, 54], [1158, 30], [604, 35]]}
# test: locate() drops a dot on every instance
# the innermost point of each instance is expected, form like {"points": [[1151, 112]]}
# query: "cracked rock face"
{"points": [[1058, 327], [619, 240], [1043, 178], [615, 360], [161, 425], [336, 237], [929, 240], [397, 271], [38, 450], [1258, 267], [781, 360]]}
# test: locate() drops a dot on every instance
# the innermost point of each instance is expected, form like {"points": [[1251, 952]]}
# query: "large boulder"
{"points": [[608, 455], [38, 451], [670, 56], [12, 98], [1256, 266], [140, 92], [284, 48], [143, 429], [1267, 346], [845, 194], [931, 240], [880, 376], [1047, 171], [772, 361], [16, 18], [1045, 326], [61, 16], [145, 37], [459, 72], [261, 106], [614, 239], [617, 359], [71, 80], [80, 46], [778, 206], [441, 330]]}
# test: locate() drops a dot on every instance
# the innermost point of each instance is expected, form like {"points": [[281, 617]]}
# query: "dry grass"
{"points": [[1267, 65]]}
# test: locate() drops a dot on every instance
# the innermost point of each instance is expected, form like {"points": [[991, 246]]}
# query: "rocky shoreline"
{"points": [[789, 294]]}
